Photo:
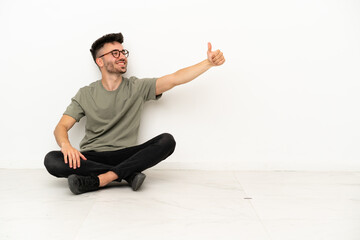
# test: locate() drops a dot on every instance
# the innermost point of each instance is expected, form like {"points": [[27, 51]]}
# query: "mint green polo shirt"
{"points": [[113, 117]]}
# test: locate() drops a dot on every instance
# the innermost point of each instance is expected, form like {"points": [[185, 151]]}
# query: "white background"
{"points": [[287, 97]]}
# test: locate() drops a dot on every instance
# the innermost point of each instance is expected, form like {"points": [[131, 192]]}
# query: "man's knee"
{"points": [[168, 142], [53, 162]]}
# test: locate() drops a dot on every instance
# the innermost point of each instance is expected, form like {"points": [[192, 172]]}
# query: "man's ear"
{"points": [[99, 62]]}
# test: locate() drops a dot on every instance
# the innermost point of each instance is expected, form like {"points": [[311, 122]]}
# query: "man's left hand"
{"points": [[216, 58]]}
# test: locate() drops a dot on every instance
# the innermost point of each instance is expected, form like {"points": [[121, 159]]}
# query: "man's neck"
{"points": [[111, 81]]}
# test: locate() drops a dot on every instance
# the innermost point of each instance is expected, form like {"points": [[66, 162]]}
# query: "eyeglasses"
{"points": [[116, 53]]}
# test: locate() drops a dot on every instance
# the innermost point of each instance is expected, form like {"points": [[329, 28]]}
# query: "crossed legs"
{"points": [[114, 165]]}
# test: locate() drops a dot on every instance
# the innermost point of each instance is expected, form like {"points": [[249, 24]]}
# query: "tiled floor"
{"points": [[183, 204]]}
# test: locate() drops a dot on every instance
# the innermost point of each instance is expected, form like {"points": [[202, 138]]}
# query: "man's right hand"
{"points": [[72, 155]]}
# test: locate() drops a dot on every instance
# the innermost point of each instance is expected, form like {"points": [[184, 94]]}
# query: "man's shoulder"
{"points": [[137, 81], [90, 87], [85, 91], [131, 79]]}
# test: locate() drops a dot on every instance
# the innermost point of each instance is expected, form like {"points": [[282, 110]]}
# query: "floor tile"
{"points": [[184, 204]]}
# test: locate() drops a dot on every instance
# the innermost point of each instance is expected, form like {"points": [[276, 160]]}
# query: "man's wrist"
{"points": [[63, 144], [209, 63]]}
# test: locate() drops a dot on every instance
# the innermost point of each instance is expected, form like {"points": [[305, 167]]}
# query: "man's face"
{"points": [[111, 64]]}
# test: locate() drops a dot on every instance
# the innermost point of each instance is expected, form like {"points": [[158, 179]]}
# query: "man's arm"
{"points": [[61, 135], [167, 82]]}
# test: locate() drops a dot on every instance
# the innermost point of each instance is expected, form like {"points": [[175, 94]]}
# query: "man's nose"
{"points": [[121, 57]]}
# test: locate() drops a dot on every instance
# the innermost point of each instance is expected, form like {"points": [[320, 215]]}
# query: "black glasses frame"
{"points": [[116, 53]]}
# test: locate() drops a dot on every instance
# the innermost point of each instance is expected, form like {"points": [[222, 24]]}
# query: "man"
{"points": [[113, 105]]}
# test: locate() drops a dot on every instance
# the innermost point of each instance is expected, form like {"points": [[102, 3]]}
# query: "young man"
{"points": [[113, 105]]}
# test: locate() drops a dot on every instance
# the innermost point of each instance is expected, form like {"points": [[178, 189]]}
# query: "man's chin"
{"points": [[117, 72], [122, 70]]}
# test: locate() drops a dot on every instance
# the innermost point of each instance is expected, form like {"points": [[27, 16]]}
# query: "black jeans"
{"points": [[123, 162]]}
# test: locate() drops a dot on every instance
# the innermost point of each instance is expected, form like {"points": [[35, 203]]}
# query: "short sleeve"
{"points": [[74, 109], [147, 88]]}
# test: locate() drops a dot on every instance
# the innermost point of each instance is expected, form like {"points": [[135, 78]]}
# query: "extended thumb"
{"points": [[209, 47]]}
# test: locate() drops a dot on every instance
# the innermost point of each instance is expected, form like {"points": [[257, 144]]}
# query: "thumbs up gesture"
{"points": [[216, 58]]}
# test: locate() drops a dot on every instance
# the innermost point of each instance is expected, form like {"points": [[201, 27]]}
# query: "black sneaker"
{"points": [[136, 180], [81, 184]]}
